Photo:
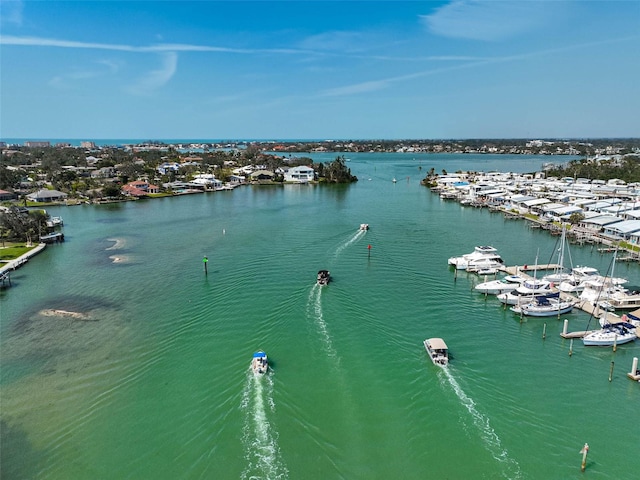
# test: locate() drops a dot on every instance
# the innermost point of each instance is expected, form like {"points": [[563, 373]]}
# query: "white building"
{"points": [[300, 174]]}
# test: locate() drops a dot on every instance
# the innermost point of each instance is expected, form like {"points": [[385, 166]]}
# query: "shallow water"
{"points": [[155, 382]]}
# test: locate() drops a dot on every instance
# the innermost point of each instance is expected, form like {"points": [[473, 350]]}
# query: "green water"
{"points": [[155, 384]]}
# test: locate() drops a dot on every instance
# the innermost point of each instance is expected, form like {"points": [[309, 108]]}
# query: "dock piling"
{"points": [[565, 326], [584, 452], [204, 261], [544, 331], [634, 374], [571, 347], [611, 370]]}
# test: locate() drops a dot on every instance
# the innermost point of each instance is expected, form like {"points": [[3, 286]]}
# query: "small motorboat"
{"points": [[260, 363], [323, 277], [364, 226], [437, 350]]}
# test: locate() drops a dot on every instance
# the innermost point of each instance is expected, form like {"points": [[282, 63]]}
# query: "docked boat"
{"points": [[364, 226], [544, 306], [526, 292], [323, 277], [260, 363], [482, 256], [496, 287], [622, 299], [437, 350], [610, 334]]}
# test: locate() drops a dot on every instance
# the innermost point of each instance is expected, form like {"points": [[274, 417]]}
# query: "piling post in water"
{"points": [[204, 261], [615, 342], [634, 367], [565, 326], [611, 370], [584, 452], [369, 250], [544, 331], [571, 347]]}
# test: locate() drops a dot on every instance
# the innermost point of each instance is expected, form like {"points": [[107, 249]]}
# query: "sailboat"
{"points": [[611, 334], [544, 306], [560, 274]]}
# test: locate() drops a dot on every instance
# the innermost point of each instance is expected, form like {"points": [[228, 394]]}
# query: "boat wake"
{"points": [[259, 438], [314, 310], [354, 238], [489, 436], [118, 243]]}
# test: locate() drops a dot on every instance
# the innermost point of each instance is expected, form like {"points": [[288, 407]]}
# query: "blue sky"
{"points": [[325, 70]]}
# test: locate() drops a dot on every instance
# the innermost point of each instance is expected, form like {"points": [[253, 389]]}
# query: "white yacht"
{"points": [[482, 256], [496, 287], [526, 292]]}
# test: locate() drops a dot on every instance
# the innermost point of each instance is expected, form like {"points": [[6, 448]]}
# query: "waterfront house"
{"points": [[46, 195], [262, 175], [139, 188], [597, 224], [622, 229], [301, 174]]}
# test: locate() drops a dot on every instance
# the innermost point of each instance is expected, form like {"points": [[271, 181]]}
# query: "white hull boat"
{"points": [[544, 306], [479, 254], [437, 350], [259, 363], [617, 333], [526, 292], [496, 287]]}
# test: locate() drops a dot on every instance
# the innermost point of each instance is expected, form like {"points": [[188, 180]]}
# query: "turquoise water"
{"points": [[155, 381]]}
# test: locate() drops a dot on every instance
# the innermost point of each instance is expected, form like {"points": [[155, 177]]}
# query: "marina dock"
{"points": [[583, 305]]}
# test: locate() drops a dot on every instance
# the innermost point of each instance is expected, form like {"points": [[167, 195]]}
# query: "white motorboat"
{"points": [[481, 256], [610, 334], [437, 350], [260, 363], [496, 287], [620, 298], [364, 226], [575, 281], [544, 306], [526, 292]]}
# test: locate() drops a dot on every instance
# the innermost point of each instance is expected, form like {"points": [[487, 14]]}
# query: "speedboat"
{"points": [[323, 277], [437, 350], [260, 363], [496, 287], [482, 256], [544, 306], [364, 226], [610, 334]]}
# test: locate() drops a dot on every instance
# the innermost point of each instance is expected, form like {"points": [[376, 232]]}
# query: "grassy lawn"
{"points": [[11, 251]]}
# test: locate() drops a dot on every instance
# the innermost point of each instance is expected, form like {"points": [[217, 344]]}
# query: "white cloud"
{"points": [[156, 78], [487, 20]]}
